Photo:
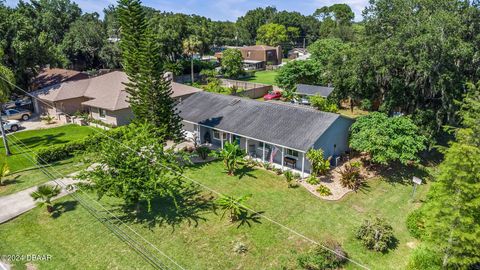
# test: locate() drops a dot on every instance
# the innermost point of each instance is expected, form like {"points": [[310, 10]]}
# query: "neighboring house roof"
{"points": [[292, 127], [63, 91], [311, 90], [258, 48], [106, 91], [51, 76]]}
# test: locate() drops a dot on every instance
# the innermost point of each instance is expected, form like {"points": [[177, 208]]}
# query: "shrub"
{"points": [[351, 177], [324, 190], [319, 258], [240, 248], [296, 176], [59, 152], [289, 178], [278, 171], [366, 105], [424, 258], [267, 165], [203, 152], [313, 180], [376, 234], [323, 104], [416, 223], [320, 165], [48, 119]]}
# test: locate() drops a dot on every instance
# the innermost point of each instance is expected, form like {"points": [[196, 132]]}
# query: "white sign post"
{"points": [[416, 181]]}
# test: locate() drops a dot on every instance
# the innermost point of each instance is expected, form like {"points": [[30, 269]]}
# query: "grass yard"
{"points": [[356, 112], [264, 76], [199, 239], [36, 139]]}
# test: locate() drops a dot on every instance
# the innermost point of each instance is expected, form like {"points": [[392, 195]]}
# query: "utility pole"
{"points": [[4, 136]]}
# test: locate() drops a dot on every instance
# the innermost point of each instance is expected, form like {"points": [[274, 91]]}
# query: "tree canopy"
{"points": [[387, 139], [232, 63]]}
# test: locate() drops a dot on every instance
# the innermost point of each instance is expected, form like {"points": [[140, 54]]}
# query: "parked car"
{"points": [[273, 95], [16, 114], [302, 100], [11, 125]]}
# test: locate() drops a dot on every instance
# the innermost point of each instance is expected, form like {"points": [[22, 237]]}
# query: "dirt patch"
{"points": [[412, 244]]}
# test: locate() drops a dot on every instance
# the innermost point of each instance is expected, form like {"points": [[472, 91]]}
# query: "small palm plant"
{"points": [[289, 178], [48, 119], [289, 95], [44, 195], [232, 156], [4, 170], [234, 206]]}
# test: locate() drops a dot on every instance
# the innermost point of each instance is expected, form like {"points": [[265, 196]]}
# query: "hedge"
{"points": [[60, 152]]}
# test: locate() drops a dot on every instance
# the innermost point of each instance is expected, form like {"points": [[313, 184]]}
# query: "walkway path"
{"points": [[18, 203]]}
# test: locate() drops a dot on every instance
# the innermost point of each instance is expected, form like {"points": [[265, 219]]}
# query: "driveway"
{"points": [[36, 123], [18, 203]]}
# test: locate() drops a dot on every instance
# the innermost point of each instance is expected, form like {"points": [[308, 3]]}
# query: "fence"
{"points": [[251, 90]]}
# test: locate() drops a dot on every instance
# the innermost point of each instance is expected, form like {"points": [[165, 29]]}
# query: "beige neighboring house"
{"points": [[103, 97]]}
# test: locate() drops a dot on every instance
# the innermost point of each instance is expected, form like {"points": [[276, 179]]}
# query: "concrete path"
{"points": [[18, 203]]}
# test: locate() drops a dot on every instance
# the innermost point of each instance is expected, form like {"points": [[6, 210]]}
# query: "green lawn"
{"points": [[200, 239], [36, 139], [265, 77]]}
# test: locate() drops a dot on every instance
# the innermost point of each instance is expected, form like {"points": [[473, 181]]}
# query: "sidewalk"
{"points": [[18, 203]]}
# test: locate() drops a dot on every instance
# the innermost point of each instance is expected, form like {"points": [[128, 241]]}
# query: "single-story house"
{"points": [[103, 97], [313, 90], [270, 132], [257, 57]]}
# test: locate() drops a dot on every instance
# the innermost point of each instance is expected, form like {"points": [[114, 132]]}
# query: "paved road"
{"points": [[18, 203]]}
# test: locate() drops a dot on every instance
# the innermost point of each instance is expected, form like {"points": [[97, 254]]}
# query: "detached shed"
{"points": [[312, 90]]}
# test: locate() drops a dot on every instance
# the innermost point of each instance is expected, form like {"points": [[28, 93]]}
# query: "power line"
{"points": [[147, 255], [211, 189]]}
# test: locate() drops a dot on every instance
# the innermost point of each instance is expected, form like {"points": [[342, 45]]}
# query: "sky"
{"points": [[224, 9]]}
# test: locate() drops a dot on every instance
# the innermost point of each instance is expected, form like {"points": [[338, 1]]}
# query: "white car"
{"points": [[11, 125]]}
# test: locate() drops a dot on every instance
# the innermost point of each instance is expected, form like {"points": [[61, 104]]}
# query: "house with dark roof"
{"points": [[276, 133], [314, 90], [103, 97]]}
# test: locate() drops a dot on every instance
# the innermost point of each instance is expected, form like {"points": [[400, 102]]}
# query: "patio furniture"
{"points": [[290, 162]]}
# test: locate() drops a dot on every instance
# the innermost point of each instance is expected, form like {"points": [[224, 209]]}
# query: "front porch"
{"points": [[279, 156]]}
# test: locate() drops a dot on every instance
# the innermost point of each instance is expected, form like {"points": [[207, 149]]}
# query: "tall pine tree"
{"points": [[149, 90], [453, 208]]}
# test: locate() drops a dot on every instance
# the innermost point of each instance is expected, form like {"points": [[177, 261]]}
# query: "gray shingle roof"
{"points": [[311, 90], [293, 127]]}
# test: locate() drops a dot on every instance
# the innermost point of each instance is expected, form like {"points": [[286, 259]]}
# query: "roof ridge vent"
{"points": [[234, 101]]}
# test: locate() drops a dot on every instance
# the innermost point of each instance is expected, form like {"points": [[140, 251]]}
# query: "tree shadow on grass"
{"points": [[47, 139], [11, 181], [402, 174], [245, 171], [248, 218], [188, 206], [63, 207]]}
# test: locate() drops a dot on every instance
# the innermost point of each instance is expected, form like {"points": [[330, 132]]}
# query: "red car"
{"points": [[273, 95]]}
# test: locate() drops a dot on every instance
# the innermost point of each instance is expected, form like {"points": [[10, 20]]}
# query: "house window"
{"points": [[216, 135], [292, 153], [102, 113]]}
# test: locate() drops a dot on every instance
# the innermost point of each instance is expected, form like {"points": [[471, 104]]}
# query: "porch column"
{"points": [[221, 139], [263, 156], [303, 164], [283, 155], [199, 138], [246, 145]]}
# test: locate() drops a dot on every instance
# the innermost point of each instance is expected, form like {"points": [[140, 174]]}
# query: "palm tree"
{"points": [[232, 155], [234, 206], [44, 195], [7, 81], [4, 170], [289, 94], [192, 45]]}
